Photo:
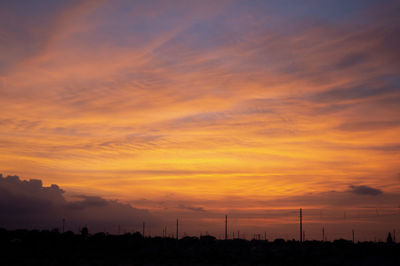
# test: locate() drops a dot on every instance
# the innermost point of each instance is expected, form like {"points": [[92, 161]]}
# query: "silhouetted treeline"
{"points": [[23, 247]]}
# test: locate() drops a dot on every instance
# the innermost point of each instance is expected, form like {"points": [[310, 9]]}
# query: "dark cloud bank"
{"points": [[365, 190], [29, 204]]}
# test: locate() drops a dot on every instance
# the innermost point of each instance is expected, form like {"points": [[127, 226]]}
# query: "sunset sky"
{"points": [[197, 109]]}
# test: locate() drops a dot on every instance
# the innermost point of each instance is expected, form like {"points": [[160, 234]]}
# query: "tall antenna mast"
{"points": [[226, 227], [301, 225], [177, 229]]}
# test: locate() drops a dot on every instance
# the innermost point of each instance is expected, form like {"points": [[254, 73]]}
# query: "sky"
{"points": [[197, 109]]}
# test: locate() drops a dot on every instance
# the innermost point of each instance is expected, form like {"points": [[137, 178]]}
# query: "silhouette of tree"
{"points": [[46, 247], [85, 232], [389, 239]]}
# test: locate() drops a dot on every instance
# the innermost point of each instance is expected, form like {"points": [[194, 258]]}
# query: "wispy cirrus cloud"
{"points": [[213, 99]]}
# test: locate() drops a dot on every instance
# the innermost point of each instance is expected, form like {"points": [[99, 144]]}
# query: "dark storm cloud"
{"points": [[87, 201], [28, 197], [365, 190], [28, 204]]}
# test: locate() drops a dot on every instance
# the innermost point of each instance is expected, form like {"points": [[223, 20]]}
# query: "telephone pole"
{"points": [[144, 225]]}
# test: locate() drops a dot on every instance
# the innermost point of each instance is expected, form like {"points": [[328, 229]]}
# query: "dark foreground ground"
{"points": [[23, 247]]}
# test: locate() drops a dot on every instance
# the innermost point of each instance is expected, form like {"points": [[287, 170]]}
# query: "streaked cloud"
{"points": [[146, 100]]}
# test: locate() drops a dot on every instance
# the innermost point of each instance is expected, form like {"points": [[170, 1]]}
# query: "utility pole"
{"points": [[301, 225], [352, 231], [144, 225], [63, 225], [177, 229], [394, 235], [226, 227], [323, 234]]}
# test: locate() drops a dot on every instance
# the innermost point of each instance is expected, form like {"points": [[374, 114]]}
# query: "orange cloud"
{"points": [[135, 101]]}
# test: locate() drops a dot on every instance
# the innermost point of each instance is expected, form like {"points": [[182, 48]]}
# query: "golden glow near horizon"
{"points": [[201, 103]]}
